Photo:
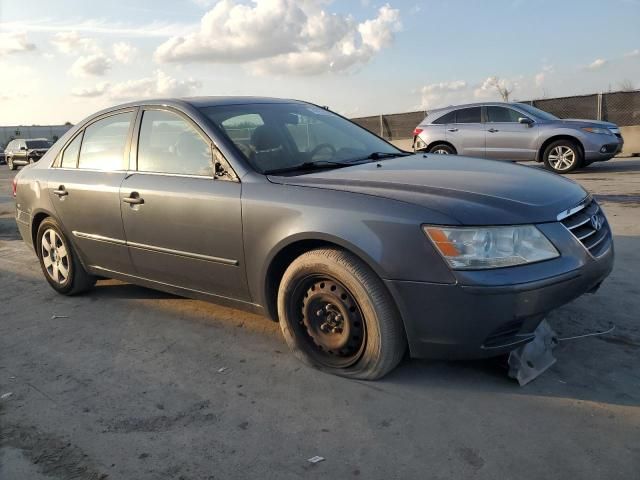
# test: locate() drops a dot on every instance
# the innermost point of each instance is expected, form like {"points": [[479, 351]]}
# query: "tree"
{"points": [[502, 88], [626, 85]]}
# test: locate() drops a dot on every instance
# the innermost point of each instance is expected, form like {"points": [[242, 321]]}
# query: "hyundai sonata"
{"points": [[358, 249]]}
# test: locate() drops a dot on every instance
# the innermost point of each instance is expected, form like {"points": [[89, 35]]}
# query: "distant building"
{"points": [[50, 132]]}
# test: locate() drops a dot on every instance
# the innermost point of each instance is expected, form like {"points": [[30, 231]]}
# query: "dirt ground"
{"points": [[129, 383]]}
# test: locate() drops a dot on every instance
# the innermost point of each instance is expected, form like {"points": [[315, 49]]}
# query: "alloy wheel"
{"points": [[55, 256], [562, 158], [441, 151]]}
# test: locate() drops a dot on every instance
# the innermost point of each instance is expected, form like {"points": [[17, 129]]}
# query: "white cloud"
{"points": [[11, 43], [438, 94], [283, 36], [71, 42], [95, 91], [158, 85], [96, 64], [633, 53], [124, 52], [597, 64]]}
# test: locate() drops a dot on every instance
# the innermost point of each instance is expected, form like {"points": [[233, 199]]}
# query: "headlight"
{"points": [[602, 131], [466, 248]]}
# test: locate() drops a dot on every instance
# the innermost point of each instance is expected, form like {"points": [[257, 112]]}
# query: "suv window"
{"points": [[469, 115], [70, 154], [448, 118], [104, 143], [503, 115], [169, 144], [38, 144]]}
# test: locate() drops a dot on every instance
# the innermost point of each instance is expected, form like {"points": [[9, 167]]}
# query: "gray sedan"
{"points": [[517, 131], [281, 207]]}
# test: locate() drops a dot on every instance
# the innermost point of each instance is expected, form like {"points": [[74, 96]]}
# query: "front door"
{"points": [[467, 134], [183, 226], [84, 190], [507, 138]]}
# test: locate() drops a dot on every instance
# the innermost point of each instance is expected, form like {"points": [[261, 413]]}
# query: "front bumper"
{"points": [[487, 313], [599, 152]]}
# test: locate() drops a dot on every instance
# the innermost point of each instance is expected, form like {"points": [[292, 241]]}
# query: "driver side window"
{"points": [[169, 144]]}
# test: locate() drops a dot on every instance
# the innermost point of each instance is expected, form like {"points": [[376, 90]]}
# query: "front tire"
{"points": [[337, 315], [563, 156], [59, 262], [442, 149]]}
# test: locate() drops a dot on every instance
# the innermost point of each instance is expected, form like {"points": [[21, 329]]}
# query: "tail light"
{"points": [[14, 185], [417, 131]]}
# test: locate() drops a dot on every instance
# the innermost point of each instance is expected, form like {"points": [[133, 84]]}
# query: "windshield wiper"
{"points": [[317, 165], [382, 155]]}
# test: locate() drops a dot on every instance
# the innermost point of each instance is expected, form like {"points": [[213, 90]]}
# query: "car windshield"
{"points": [[38, 144], [536, 112], [277, 137]]}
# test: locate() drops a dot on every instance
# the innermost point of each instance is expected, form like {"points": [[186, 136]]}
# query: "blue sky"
{"points": [[63, 60]]}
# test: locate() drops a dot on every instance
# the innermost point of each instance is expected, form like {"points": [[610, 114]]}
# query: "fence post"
{"points": [[599, 107]]}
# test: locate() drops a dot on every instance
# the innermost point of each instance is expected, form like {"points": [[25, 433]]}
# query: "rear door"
{"points": [[467, 134], [183, 223], [84, 189], [507, 138]]}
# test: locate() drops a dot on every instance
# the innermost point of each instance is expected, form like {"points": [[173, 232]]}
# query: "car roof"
{"points": [[477, 104], [209, 101], [195, 102]]}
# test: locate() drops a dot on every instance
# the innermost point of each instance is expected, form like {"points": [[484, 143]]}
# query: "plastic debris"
{"points": [[222, 370], [55, 317], [529, 361], [5, 395], [315, 459]]}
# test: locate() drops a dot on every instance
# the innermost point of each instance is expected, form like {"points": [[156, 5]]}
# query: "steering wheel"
{"points": [[320, 147]]}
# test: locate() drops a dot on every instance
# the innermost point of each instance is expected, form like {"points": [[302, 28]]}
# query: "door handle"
{"points": [[61, 191], [452, 130], [133, 199], [493, 130]]}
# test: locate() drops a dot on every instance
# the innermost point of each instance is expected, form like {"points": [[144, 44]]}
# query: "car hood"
{"points": [[577, 122], [471, 191]]}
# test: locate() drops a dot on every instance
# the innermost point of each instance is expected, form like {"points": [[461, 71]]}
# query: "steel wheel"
{"points": [[330, 320], [55, 257], [562, 158]]}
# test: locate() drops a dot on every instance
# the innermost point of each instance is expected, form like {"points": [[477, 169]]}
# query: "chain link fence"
{"points": [[622, 108]]}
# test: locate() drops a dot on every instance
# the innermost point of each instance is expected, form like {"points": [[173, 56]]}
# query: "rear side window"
{"points": [[169, 144], [469, 115], [104, 143], [503, 115], [448, 118], [70, 154]]}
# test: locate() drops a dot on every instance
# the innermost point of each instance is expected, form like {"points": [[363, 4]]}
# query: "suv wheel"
{"points": [[10, 163], [336, 315], [59, 262], [442, 149], [562, 156]]}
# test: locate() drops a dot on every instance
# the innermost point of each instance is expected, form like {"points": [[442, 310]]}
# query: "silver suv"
{"points": [[517, 132]]}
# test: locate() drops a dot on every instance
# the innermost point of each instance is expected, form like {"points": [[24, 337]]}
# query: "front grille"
{"points": [[583, 225]]}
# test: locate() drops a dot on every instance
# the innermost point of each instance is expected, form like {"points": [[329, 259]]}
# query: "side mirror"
{"points": [[525, 120], [24, 149]]}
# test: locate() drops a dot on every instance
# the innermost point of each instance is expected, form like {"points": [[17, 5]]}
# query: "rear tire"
{"points": [[442, 149], [336, 315], [59, 262], [563, 156]]}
